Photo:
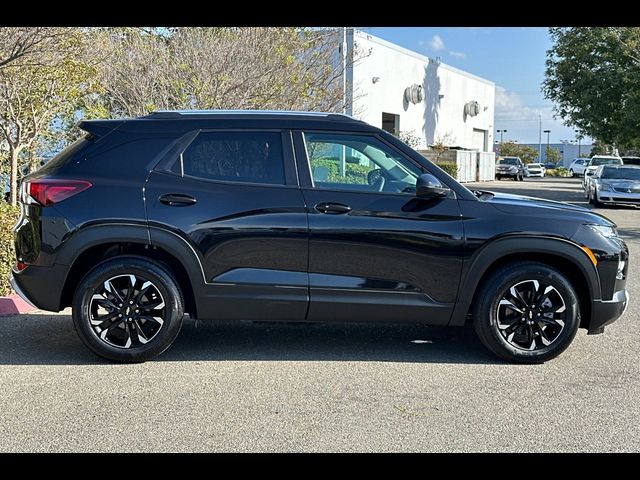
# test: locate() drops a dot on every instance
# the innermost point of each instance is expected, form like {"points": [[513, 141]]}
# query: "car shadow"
{"points": [[51, 340]]}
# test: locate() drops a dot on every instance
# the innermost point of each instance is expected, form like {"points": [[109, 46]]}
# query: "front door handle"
{"points": [[177, 200], [332, 208]]}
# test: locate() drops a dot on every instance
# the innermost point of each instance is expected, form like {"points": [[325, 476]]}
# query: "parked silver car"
{"points": [[592, 166], [615, 185]]}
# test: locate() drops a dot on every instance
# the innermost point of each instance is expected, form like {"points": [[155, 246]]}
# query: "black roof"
{"points": [[186, 120]]}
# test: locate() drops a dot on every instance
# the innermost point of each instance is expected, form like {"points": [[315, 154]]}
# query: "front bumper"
{"points": [[618, 198], [605, 312]]}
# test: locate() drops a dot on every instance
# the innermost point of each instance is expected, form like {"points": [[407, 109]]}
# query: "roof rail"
{"points": [[194, 113]]}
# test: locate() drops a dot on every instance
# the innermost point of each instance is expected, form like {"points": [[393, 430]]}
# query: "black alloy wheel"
{"points": [[128, 309], [526, 312]]}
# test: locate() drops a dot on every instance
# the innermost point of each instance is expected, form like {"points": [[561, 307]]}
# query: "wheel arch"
{"points": [[562, 254], [97, 243]]}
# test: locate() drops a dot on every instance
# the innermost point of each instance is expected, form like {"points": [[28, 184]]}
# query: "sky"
{"points": [[511, 57]]}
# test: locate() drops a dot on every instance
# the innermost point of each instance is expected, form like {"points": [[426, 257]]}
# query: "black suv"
{"points": [[299, 217], [510, 167]]}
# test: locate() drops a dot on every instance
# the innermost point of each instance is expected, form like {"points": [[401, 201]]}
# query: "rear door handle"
{"points": [[332, 208], [177, 200]]}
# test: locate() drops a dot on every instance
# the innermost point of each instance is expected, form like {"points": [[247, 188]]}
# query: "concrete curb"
{"points": [[14, 305]]}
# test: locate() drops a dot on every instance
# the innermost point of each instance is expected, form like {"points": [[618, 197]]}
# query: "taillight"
{"points": [[50, 191], [20, 266]]}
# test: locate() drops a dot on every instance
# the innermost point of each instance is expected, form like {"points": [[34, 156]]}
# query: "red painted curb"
{"points": [[14, 305]]}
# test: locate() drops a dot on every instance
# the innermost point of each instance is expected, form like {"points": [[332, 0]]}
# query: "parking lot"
{"points": [[294, 387]]}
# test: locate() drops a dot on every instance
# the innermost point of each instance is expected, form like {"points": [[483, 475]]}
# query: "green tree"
{"points": [[593, 76], [600, 148], [32, 96], [512, 149], [553, 155]]}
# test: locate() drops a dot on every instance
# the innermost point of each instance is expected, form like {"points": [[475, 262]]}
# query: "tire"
{"points": [[498, 177], [512, 344], [94, 299], [571, 172], [596, 202]]}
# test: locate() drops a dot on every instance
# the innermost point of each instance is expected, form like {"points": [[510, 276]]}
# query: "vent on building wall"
{"points": [[472, 108], [414, 93]]}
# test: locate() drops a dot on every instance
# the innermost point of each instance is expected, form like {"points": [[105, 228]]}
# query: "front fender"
{"points": [[493, 251]]}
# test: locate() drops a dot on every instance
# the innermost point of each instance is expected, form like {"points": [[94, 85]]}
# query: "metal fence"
{"points": [[472, 166], [486, 166]]}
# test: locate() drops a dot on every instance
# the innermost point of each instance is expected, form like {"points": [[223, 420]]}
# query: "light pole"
{"points": [[501, 132], [547, 150], [579, 137]]}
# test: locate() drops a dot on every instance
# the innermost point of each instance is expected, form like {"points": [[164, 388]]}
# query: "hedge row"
{"points": [[8, 217], [354, 173], [450, 167]]}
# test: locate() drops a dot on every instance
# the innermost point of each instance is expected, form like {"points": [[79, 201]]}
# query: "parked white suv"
{"points": [[576, 169], [535, 170]]}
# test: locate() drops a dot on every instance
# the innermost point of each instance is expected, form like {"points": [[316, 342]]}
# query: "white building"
{"points": [[404, 92]]}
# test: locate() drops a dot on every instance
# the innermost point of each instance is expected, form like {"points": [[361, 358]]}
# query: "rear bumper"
{"points": [[41, 287], [19, 291], [605, 312]]}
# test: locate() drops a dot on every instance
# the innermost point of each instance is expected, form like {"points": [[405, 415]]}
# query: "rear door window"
{"points": [[250, 157]]}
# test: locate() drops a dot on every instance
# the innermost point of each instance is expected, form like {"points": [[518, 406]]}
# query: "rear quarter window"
{"points": [[125, 156]]}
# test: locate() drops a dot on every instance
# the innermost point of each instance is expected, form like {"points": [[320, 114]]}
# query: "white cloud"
{"points": [[421, 43], [437, 43], [460, 55], [522, 122]]}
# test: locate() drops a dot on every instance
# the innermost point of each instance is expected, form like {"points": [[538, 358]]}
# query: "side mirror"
{"points": [[429, 186]]}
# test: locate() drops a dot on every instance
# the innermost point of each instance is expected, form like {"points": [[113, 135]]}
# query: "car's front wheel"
{"points": [[593, 199], [527, 313], [128, 309], [571, 172]]}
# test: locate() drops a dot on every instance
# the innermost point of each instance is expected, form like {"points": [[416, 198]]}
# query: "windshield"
{"points": [[508, 161], [621, 173], [595, 161]]}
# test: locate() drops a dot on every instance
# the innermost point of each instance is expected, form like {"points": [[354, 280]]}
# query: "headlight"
{"points": [[513, 169], [604, 230], [604, 186]]}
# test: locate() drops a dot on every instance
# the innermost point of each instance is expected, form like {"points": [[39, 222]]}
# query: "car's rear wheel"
{"points": [[128, 309], [527, 313]]}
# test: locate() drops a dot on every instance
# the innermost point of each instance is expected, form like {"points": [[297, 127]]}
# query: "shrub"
{"points": [[354, 173], [450, 167], [8, 217], [558, 172]]}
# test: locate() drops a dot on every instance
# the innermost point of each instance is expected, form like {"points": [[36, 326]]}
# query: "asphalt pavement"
{"points": [[294, 387]]}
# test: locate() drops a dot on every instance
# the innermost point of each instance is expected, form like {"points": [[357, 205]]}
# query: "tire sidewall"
{"points": [[490, 329], [162, 280]]}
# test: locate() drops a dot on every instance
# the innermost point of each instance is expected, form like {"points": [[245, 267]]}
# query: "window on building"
{"points": [[254, 157], [391, 123]]}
